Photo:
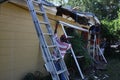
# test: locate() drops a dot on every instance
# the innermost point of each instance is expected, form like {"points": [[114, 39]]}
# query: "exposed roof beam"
{"points": [[72, 26]]}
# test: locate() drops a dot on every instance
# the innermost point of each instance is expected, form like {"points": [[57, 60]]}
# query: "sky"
{"points": [[66, 1], [56, 2]]}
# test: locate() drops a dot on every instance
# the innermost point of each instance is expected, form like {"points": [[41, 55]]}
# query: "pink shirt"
{"points": [[63, 46]]}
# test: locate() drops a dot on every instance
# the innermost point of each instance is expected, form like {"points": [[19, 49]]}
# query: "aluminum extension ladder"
{"points": [[96, 49], [71, 49], [47, 42]]}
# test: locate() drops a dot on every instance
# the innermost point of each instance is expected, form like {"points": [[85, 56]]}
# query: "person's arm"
{"points": [[56, 26]]}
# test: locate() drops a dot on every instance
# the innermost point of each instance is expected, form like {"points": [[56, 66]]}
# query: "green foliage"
{"points": [[58, 2], [106, 9], [102, 8], [111, 28], [79, 46], [37, 75], [78, 3]]}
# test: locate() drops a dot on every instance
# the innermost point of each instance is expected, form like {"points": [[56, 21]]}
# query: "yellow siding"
{"points": [[19, 46]]}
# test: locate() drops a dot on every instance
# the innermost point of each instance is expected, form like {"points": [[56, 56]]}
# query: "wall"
{"points": [[19, 46]]}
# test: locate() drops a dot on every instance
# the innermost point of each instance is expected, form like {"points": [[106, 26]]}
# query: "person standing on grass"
{"points": [[95, 40]]}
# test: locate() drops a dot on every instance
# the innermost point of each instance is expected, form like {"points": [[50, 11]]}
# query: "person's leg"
{"points": [[57, 65], [62, 77]]}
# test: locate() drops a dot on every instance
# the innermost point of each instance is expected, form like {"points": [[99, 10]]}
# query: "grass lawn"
{"points": [[113, 69]]}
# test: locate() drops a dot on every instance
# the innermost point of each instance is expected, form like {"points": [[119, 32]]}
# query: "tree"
{"points": [[58, 2], [111, 29], [79, 47], [102, 8], [107, 11]]}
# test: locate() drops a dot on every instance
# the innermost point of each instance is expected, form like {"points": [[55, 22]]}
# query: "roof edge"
{"points": [[50, 16], [18, 5]]}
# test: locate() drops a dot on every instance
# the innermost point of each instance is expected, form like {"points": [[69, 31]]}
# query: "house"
{"points": [[19, 45]]}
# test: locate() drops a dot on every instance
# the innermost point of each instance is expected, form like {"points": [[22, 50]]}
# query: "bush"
{"points": [[29, 76]]}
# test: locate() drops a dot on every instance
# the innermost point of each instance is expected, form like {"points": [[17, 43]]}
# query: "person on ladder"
{"points": [[63, 47], [97, 32], [92, 33], [95, 40]]}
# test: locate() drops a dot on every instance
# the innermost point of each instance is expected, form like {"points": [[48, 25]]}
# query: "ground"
{"points": [[113, 69], [111, 72]]}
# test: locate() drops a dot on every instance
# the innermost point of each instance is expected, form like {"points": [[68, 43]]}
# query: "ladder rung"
{"points": [[61, 71], [47, 34], [37, 2], [79, 56], [52, 46], [39, 12], [70, 36], [46, 66], [56, 58], [43, 22]]}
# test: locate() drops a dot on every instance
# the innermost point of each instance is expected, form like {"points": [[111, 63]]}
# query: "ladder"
{"points": [[47, 42], [71, 49], [96, 49], [100, 52]]}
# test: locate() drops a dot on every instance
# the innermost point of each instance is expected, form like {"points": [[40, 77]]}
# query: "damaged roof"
{"points": [[83, 18]]}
